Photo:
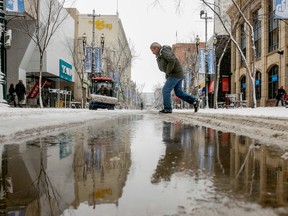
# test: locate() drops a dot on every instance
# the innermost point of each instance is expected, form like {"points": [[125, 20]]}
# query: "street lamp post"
{"points": [[216, 77], [102, 41], [3, 102], [205, 17], [93, 46], [197, 52], [84, 38]]}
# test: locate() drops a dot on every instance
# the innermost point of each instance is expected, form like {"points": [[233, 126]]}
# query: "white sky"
{"points": [[144, 23]]}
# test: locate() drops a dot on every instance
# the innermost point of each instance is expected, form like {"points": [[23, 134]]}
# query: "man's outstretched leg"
{"points": [[186, 97]]}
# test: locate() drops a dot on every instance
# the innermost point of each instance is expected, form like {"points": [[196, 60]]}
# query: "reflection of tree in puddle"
{"points": [[33, 191]]}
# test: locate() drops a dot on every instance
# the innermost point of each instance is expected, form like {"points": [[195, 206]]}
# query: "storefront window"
{"points": [[243, 87], [273, 82]]}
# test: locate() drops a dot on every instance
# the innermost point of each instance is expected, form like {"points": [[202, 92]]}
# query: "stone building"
{"points": [[270, 40], [107, 36]]}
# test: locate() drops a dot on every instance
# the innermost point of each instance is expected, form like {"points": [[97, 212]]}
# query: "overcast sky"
{"points": [[145, 23]]}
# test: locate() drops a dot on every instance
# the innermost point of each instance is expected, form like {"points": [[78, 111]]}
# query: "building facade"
{"points": [[269, 58], [23, 57], [108, 40], [65, 74]]}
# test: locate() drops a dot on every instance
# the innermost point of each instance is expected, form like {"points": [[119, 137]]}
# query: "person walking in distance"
{"points": [[12, 94], [280, 96], [20, 92], [170, 65]]}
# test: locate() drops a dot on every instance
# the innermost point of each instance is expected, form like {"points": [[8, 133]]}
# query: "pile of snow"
{"points": [[104, 99]]}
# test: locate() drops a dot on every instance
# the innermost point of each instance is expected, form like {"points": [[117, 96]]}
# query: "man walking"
{"points": [[280, 96], [20, 92], [170, 65]]}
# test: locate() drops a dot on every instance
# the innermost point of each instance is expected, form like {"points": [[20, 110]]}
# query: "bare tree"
{"points": [[157, 96], [227, 42], [78, 53], [122, 63], [250, 71], [45, 19]]}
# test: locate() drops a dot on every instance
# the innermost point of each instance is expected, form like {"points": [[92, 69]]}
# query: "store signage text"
{"points": [[100, 24], [65, 70]]}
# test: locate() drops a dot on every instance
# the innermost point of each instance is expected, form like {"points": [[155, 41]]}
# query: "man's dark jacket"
{"points": [[168, 63], [20, 90]]}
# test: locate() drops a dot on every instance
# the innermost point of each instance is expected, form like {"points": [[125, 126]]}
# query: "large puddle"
{"points": [[139, 165]]}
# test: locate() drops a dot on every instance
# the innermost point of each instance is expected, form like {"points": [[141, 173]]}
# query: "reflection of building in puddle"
{"points": [[102, 164], [259, 171], [239, 166], [33, 191], [47, 175], [21, 190]]}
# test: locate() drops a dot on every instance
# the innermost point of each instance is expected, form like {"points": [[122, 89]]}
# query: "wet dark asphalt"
{"points": [[141, 165]]}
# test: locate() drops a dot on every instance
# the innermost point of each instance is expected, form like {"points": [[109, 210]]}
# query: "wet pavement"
{"points": [[140, 165]]}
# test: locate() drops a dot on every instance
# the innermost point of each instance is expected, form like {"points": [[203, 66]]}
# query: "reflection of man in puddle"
{"points": [[168, 164]]}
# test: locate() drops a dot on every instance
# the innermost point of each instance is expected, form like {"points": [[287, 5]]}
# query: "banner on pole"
{"points": [[281, 9], [187, 79], [97, 60], [15, 6], [201, 61], [98, 65], [88, 58], [210, 61]]}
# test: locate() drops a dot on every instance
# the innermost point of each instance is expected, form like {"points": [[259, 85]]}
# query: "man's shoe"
{"points": [[196, 105], [165, 111]]}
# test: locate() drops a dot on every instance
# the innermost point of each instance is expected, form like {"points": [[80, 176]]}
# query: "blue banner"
{"points": [[201, 61], [88, 59], [15, 5], [210, 61], [187, 79], [98, 62], [281, 9]]}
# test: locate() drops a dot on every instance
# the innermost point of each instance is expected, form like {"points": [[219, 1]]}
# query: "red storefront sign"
{"points": [[35, 90], [225, 84]]}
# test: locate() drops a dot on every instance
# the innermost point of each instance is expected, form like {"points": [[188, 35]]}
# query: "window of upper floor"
{"points": [[273, 27], [243, 42], [257, 31]]}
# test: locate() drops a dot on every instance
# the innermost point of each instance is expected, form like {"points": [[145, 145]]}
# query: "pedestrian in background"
{"points": [[20, 92], [12, 94], [170, 65], [280, 96]]}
